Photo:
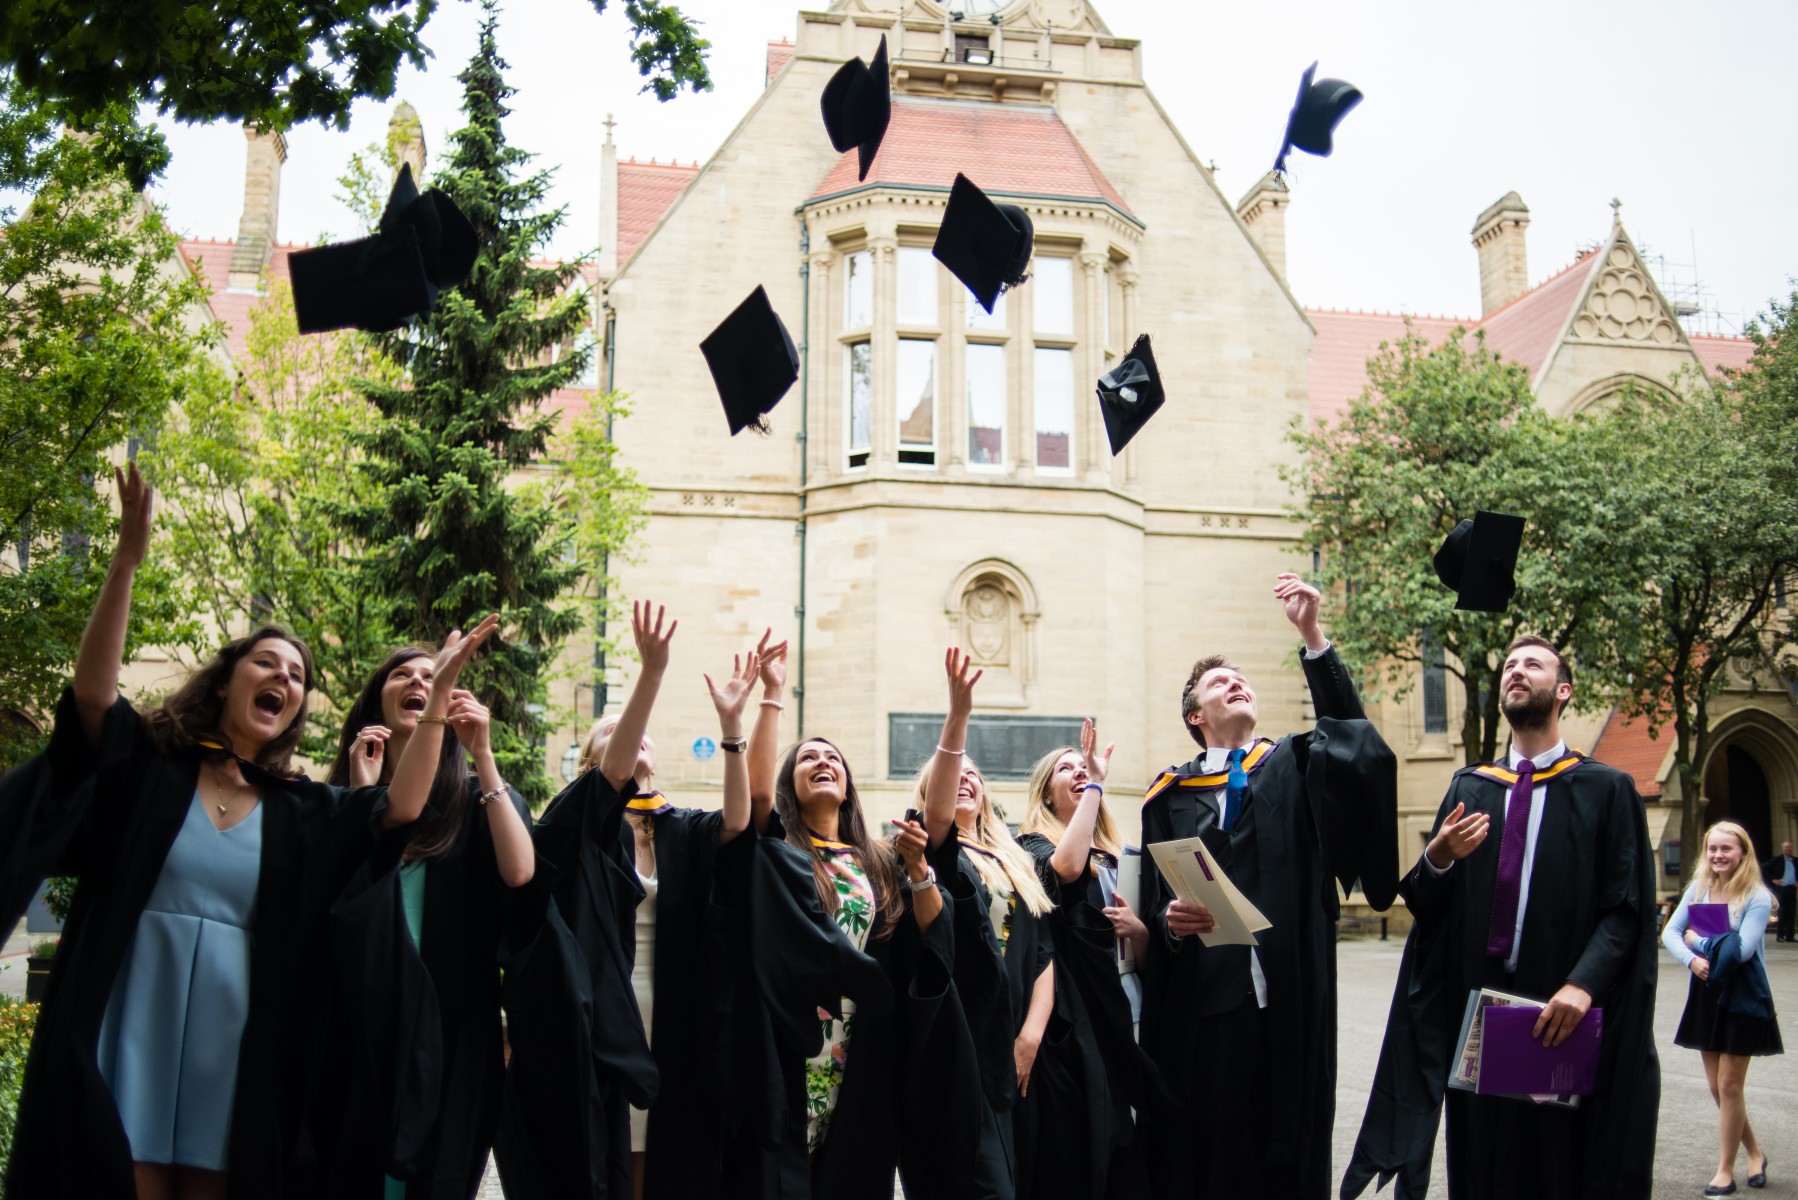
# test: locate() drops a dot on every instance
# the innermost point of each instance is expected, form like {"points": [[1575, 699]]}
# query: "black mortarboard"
{"points": [[424, 244], [1479, 560], [985, 245], [857, 104], [1129, 394], [753, 361], [1321, 104]]}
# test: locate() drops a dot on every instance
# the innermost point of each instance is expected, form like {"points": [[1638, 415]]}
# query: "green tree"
{"points": [[447, 540], [99, 336], [1720, 547], [275, 65], [1439, 433], [258, 470]]}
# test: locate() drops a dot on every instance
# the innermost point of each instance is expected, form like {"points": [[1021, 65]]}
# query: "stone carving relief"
{"points": [[992, 613], [1624, 306]]}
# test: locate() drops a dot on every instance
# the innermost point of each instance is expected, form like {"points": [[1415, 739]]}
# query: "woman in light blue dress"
{"points": [[166, 1059]]}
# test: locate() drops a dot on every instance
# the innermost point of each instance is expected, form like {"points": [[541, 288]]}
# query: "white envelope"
{"points": [[1194, 876]]}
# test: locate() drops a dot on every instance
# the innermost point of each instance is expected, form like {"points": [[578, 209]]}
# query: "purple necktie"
{"points": [[1501, 935]]}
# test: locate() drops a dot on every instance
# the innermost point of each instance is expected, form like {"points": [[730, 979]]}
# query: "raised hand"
{"points": [[731, 696], [458, 650], [1459, 836], [469, 718], [367, 754], [1301, 602], [136, 500], [652, 641], [963, 675], [912, 843], [772, 663], [1097, 765]]}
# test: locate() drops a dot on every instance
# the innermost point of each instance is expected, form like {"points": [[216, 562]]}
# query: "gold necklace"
{"points": [[218, 790]]}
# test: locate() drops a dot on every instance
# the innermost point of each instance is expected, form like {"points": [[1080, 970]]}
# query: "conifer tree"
{"points": [[447, 540]]}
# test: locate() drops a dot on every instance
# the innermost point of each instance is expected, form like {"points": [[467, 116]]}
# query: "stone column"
{"points": [[1127, 281], [1089, 364], [1263, 210], [824, 364], [883, 257], [261, 208], [1498, 236]]}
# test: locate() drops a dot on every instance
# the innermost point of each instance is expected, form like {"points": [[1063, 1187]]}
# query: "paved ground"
{"points": [[1688, 1124]]}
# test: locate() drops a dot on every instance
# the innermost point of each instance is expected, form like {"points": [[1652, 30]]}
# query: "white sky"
{"points": [[1679, 109]]}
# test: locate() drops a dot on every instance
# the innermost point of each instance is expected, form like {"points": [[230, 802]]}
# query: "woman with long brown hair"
{"points": [[459, 867], [1729, 1017], [179, 1014]]}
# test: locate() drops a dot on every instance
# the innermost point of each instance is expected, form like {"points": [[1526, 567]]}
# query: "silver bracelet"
{"points": [[495, 794], [942, 749]]}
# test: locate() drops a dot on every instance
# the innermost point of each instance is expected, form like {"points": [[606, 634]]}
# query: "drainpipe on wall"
{"points": [[599, 647], [805, 340]]}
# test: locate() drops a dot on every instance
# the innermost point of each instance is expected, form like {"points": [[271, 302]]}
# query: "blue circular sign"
{"points": [[704, 748]]}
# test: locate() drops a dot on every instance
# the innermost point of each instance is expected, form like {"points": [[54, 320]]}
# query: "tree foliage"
{"points": [[446, 540], [274, 65], [1440, 433], [99, 336]]}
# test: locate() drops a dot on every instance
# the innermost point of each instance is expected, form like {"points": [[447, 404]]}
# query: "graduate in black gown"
{"points": [[1099, 1083], [877, 1072], [676, 1145], [1576, 928], [106, 803], [1003, 968], [1248, 1036], [451, 895]]}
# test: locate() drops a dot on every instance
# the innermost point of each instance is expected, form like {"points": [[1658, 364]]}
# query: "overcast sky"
{"points": [[1681, 110]]}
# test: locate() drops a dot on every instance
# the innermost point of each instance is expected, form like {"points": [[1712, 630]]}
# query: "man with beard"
{"points": [[1247, 1035], [1538, 880]]}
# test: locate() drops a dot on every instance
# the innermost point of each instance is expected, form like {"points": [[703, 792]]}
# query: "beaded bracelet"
{"points": [[773, 704], [433, 721]]}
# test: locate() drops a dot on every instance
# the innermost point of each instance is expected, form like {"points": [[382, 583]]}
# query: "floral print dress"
{"points": [[855, 917]]}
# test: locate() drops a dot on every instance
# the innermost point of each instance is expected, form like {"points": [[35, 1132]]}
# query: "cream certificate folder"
{"points": [[1195, 877]]}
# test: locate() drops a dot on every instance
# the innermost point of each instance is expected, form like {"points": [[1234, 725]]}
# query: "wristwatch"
{"points": [[733, 745], [926, 883]]}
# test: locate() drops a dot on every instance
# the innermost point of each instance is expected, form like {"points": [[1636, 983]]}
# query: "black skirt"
{"points": [[1706, 1025]]}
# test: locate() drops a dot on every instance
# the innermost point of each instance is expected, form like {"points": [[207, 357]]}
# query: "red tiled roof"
{"points": [[1524, 331], [211, 261], [779, 55], [1020, 150], [1624, 743], [1344, 343], [645, 190], [1715, 352]]}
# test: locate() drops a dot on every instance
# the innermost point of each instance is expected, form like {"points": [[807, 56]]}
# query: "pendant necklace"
{"points": [[218, 791]]}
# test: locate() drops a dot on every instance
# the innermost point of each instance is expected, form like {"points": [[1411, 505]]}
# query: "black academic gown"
{"points": [[111, 813], [1590, 919], [781, 958], [684, 1145], [1090, 1076], [580, 1060], [416, 1092], [1321, 810]]}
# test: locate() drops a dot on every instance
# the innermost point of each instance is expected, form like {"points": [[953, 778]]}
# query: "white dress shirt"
{"points": [[1538, 796]]}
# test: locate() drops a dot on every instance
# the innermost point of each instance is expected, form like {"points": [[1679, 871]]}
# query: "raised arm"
{"points": [[412, 775], [512, 850], [764, 738], [619, 762], [1332, 689], [729, 699], [96, 683], [942, 774], [1076, 846]]}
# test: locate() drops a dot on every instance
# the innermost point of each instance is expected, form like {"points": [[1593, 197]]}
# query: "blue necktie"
{"points": [[1235, 788]]}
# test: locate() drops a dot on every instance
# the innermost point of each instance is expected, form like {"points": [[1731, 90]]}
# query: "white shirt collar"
{"points": [[1546, 759]]}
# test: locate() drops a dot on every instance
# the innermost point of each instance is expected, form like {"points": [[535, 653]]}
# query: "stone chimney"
{"points": [[1504, 267], [1263, 210], [608, 204], [261, 208], [406, 137]]}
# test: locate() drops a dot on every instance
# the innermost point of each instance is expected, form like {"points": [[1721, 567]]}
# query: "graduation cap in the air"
{"points": [[1479, 559], [985, 245], [753, 361], [424, 244], [1129, 394], [1321, 104], [857, 104]]}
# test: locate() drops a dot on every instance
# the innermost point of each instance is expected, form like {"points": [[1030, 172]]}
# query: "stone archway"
{"points": [[1751, 777]]}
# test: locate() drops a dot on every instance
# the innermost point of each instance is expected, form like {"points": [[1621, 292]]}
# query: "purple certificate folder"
{"points": [[1512, 1063], [1707, 920]]}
